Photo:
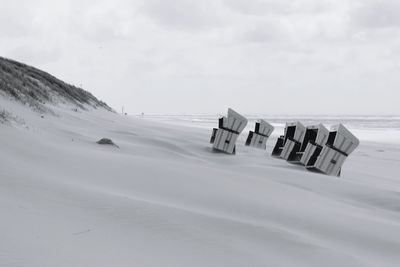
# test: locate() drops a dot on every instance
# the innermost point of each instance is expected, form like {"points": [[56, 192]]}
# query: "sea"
{"points": [[379, 129]]}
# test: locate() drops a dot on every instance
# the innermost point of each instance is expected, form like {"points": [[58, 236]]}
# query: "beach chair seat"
{"points": [[229, 128], [293, 138], [259, 137], [341, 142]]}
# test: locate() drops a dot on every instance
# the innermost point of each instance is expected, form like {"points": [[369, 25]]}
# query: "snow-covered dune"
{"points": [[165, 199]]}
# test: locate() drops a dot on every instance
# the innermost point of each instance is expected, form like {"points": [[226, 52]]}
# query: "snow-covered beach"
{"points": [[138, 133], [165, 199]]}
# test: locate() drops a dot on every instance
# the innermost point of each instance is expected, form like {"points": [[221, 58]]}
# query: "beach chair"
{"points": [[341, 142], [294, 135], [224, 137], [259, 137], [315, 137]]}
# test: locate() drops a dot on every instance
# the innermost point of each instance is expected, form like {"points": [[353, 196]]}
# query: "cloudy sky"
{"points": [[185, 56]]}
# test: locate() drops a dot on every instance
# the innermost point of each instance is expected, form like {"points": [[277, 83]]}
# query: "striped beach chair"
{"points": [[229, 128], [294, 135], [259, 137], [341, 142]]}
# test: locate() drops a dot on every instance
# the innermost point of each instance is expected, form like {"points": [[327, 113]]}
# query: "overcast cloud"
{"points": [[185, 56]]}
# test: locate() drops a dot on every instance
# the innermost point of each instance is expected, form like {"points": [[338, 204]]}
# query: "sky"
{"points": [[184, 56]]}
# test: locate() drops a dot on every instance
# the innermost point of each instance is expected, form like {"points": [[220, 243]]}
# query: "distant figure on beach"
{"points": [[142, 114]]}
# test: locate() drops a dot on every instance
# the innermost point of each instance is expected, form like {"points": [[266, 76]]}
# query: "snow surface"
{"points": [[165, 199]]}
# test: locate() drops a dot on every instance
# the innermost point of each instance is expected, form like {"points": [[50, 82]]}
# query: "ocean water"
{"points": [[379, 129]]}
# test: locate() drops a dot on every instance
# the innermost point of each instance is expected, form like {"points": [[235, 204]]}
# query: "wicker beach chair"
{"points": [[259, 137], [314, 138], [229, 128], [294, 135], [341, 142]]}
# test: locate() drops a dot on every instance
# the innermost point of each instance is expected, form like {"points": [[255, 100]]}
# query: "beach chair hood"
{"points": [[265, 128], [322, 136], [342, 139]]}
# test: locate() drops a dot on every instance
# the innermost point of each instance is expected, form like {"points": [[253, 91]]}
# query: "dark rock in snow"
{"points": [[106, 141]]}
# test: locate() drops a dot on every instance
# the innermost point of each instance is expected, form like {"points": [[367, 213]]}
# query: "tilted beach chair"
{"points": [[259, 137], [224, 137], [314, 147], [341, 142], [294, 135], [292, 143], [315, 137]]}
